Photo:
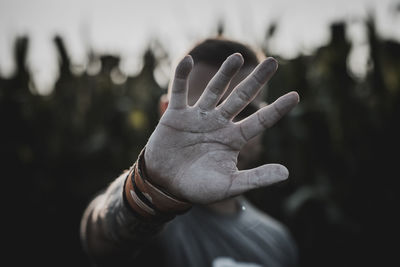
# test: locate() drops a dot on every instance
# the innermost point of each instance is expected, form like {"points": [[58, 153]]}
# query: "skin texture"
{"points": [[193, 151], [200, 75]]}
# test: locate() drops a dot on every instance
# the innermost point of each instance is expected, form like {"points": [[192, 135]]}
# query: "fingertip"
{"points": [[237, 54], [283, 172], [189, 58], [295, 95], [237, 59], [184, 67], [187, 61], [272, 62], [288, 101]]}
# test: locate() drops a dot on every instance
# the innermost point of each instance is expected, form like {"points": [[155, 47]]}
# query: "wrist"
{"points": [[147, 200]]}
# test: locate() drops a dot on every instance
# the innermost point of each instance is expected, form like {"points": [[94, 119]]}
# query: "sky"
{"points": [[126, 28]]}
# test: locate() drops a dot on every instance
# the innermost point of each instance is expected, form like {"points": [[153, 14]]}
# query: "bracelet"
{"points": [[147, 200]]}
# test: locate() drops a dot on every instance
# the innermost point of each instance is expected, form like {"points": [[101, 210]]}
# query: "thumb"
{"points": [[264, 175]]}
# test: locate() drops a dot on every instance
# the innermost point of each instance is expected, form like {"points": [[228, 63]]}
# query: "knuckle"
{"points": [[243, 95], [225, 113], [214, 89], [278, 110], [262, 120], [223, 77], [258, 79], [179, 85]]}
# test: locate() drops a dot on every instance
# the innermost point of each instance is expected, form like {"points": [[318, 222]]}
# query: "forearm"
{"points": [[110, 230], [118, 223]]}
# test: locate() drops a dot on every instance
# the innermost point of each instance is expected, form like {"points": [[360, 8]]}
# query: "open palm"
{"points": [[193, 151]]}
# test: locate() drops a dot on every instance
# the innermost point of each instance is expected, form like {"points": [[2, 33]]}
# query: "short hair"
{"points": [[214, 51]]}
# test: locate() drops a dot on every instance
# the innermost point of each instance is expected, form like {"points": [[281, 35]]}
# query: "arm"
{"points": [[192, 155], [110, 232]]}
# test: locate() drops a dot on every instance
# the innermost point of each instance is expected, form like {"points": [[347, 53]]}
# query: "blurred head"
{"points": [[208, 56]]}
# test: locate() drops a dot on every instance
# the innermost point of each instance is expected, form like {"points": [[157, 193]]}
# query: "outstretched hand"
{"points": [[193, 151]]}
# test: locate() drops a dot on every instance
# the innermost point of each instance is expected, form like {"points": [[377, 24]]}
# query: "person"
{"points": [[181, 203]]}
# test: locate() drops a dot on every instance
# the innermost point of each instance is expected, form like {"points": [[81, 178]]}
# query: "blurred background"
{"points": [[79, 88]]}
